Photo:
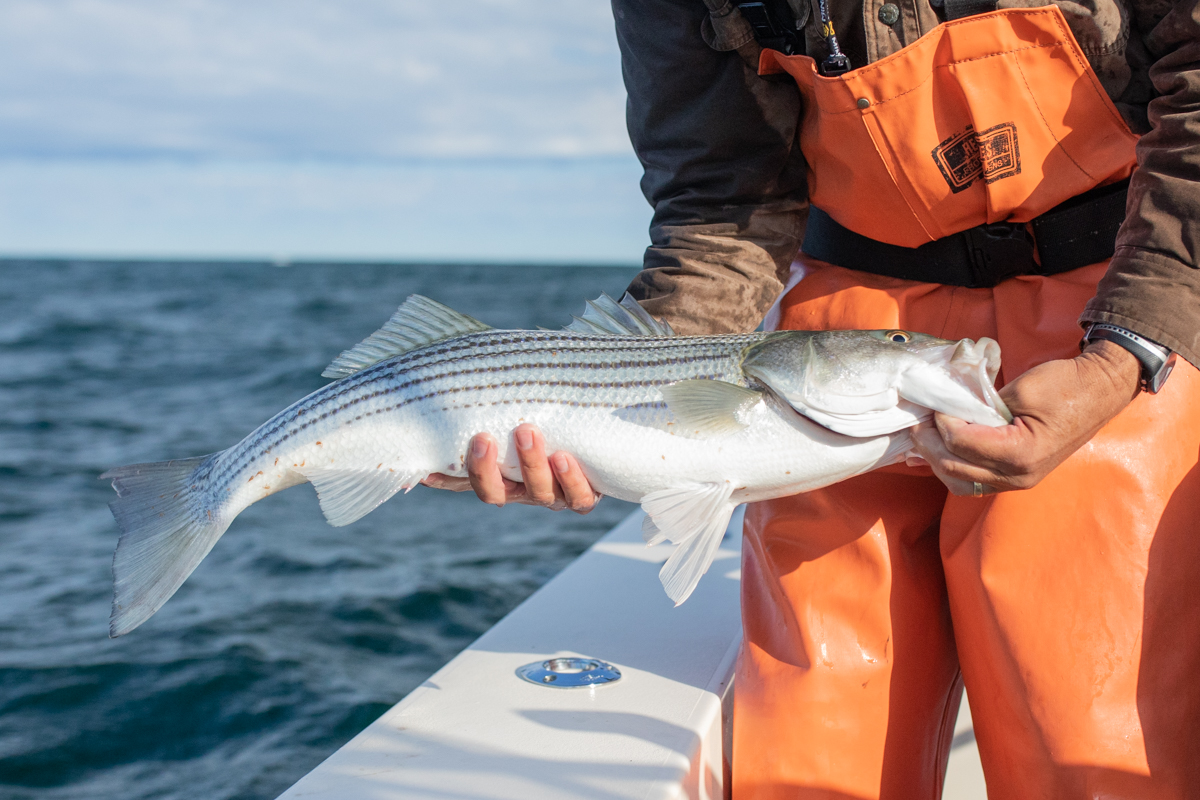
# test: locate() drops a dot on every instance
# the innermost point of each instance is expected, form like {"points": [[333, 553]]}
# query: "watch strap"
{"points": [[1156, 361]]}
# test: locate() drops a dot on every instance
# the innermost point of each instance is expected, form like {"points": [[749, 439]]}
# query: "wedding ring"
{"points": [[977, 490]]}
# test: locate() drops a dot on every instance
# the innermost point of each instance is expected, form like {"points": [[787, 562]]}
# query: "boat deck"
{"points": [[476, 731]]}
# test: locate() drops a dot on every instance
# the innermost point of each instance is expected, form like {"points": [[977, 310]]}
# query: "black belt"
{"points": [[1081, 231]]}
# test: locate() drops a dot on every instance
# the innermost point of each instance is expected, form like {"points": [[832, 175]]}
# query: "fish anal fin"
{"points": [[709, 407], [347, 495], [651, 535], [695, 518], [418, 322]]}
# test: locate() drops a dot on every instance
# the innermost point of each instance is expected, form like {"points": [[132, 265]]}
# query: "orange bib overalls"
{"points": [[1070, 610]]}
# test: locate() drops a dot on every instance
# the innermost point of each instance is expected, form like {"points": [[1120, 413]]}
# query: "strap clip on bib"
{"points": [[775, 28], [836, 62]]}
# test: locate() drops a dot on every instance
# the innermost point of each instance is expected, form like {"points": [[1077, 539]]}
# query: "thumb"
{"points": [[979, 444], [949, 427]]}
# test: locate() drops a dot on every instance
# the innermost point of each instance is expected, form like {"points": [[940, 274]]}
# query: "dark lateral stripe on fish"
{"points": [[581, 366], [271, 440], [391, 366], [484, 342], [616, 352], [492, 386], [386, 371], [424, 360], [387, 374], [262, 446], [481, 343]]}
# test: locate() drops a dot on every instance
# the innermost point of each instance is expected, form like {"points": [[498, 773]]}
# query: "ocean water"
{"points": [[291, 636]]}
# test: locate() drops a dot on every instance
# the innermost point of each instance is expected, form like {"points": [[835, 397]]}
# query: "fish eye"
{"points": [[900, 337]]}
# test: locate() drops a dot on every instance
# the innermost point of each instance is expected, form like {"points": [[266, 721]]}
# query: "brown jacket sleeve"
{"points": [[1153, 284], [723, 170]]}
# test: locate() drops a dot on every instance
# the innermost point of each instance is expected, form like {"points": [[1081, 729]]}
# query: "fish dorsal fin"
{"points": [[605, 315], [709, 407], [418, 322], [695, 518], [347, 495]]}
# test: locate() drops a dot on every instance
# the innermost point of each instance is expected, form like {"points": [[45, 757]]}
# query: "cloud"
{"points": [[299, 79]]}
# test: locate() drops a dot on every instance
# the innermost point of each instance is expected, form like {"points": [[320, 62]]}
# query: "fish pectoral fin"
{"points": [[708, 407], [419, 321], [695, 518], [347, 495], [605, 315]]}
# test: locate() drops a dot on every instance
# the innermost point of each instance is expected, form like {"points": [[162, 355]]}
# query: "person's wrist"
{"points": [[1156, 360], [1121, 367]]}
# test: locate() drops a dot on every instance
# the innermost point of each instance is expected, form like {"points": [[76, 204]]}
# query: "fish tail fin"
{"points": [[164, 536]]}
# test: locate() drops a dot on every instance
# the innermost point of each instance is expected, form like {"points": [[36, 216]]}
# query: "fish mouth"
{"points": [[975, 365]]}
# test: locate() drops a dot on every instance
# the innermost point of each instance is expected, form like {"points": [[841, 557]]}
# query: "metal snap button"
{"points": [[863, 102], [889, 13]]}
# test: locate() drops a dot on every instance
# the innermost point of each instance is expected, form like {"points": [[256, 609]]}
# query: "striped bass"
{"points": [[687, 426]]}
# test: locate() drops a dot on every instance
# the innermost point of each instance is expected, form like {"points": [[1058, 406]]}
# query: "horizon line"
{"points": [[286, 262]]}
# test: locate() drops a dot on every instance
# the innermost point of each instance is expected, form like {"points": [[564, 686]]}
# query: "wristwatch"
{"points": [[1156, 360]]}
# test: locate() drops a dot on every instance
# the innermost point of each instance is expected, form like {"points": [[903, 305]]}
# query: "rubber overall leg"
{"points": [[1070, 606]]}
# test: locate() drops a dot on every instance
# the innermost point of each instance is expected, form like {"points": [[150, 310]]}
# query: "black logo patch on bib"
{"points": [[992, 155]]}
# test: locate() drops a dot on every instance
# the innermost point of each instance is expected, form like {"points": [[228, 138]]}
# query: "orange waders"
{"points": [[1071, 608]]}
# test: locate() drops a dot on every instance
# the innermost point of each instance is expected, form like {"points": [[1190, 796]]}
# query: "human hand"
{"points": [[1057, 407], [556, 482]]}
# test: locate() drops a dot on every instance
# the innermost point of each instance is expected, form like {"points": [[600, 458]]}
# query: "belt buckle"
{"points": [[998, 251]]}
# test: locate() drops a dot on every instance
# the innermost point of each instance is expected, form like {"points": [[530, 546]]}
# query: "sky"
{"points": [[477, 130]]}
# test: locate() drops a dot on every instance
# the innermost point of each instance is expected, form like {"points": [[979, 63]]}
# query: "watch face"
{"points": [[1159, 378]]}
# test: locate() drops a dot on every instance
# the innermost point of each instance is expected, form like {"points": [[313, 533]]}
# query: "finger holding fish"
{"points": [[578, 494], [959, 475], [536, 475], [483, 475], [556, 482]]}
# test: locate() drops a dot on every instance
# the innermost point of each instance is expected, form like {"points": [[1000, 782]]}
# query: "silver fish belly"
{"points": [[672, 422]]}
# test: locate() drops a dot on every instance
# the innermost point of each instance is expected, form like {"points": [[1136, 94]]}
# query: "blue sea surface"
{"points": [[291, 636]]}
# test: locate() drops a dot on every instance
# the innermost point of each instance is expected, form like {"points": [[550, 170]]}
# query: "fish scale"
{"points": [[688, 426], [617, 374]]}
